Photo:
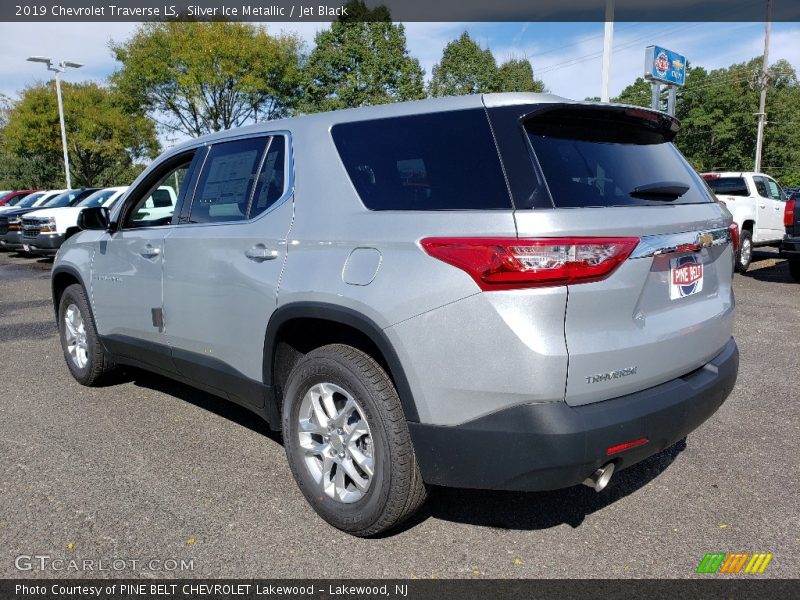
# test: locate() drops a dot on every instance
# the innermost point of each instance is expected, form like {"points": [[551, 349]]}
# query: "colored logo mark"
{"points": [[739, 562]]}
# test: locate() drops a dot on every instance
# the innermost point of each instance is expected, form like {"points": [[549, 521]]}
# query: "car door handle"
{"points": [[260, 253], [763, 205], [150, 251]]}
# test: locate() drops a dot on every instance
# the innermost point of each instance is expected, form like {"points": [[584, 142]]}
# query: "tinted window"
{"points": [[67, 198], [582, 173], [227, 181], [29, 200], [440, 161], [97, 199], [271, 184], [729, 186], [761, 187]]}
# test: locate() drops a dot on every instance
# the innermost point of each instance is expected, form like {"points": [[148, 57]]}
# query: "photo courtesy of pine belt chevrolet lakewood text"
{"points": [[502, 291]]}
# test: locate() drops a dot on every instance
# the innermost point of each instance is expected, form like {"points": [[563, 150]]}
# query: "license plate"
{"points": [[26, 248], [685, 277]]}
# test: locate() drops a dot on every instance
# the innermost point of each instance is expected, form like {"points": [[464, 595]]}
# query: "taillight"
{"points": [[734, 229], [512, 263], [788, 214]]}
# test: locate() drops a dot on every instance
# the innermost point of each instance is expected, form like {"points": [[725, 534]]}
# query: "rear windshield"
{"points": [[729, 186], [601, 162], [438, 161]]}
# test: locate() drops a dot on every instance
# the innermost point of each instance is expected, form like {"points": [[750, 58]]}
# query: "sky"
{"points": [[566, 56]]}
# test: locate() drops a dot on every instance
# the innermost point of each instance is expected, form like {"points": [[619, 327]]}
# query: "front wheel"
{"points": [[347, 442], [745, 254], [86, 359]]}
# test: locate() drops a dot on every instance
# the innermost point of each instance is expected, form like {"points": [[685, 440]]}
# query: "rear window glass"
{"points": [[438, 161], [728, 186], [584, 173]]}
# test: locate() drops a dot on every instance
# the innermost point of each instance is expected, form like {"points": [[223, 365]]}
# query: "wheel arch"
{"points": [[62, 277], [335, 321]]}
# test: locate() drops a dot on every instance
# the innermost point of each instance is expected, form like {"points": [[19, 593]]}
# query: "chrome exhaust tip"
{"points": [[600, 478]]}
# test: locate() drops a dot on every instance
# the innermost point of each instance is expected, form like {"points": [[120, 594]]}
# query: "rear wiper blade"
{"points": [[660, 190]]}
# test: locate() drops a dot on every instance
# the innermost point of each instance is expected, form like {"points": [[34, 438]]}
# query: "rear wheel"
{"points": [[794, 269], [745, 254], [347, 442], [86, 359]]}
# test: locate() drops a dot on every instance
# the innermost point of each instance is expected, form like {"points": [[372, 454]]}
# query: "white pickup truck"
{"points": [[756, 202]]}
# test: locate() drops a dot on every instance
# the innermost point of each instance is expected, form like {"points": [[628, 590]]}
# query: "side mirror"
{"points": [[96, 217]]}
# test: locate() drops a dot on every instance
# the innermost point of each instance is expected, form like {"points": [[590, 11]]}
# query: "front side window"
{"points": [[774, 190], [227, 181], [157, 204]]}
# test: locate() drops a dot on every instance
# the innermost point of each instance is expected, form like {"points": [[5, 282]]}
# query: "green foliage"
{"points": [[361, 60], [718, 116], [198, 78], [516, 75], [717, 110], [639, 93], [104, 140], [465, 68]]}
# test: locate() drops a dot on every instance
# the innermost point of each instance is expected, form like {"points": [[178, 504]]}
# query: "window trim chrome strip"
{"points": [[686, 241]]}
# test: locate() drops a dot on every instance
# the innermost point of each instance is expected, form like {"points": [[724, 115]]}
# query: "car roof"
{"points": [[382, 111]]}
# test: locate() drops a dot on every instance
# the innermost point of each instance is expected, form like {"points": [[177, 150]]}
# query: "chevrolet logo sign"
{"points": [[705, 240]]}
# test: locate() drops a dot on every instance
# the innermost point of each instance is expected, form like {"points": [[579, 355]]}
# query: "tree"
{"points": [[105, 142], [516, 75], [639, 93], [198, 78], [465, 68], [361, 60]]}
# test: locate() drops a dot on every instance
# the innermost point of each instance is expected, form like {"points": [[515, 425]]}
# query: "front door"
{"points": [[127, 270]]}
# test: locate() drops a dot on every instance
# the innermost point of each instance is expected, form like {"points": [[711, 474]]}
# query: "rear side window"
{"points": [[271, 182], [438, 161], [729, 186], [223, 192], [595, 158]]}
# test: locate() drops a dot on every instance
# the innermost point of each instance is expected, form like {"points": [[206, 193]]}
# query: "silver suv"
{"points": [[508, 291]]}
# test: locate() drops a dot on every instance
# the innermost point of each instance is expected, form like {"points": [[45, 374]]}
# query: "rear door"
{"points": [[767, 211], [612, 172], [224, 262]]}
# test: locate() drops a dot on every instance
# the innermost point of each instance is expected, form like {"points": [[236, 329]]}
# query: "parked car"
{"points": [[12, 198], [43, 231], [389, 287], [790, 246], [11, 221], [32, 200], [756, 202]]}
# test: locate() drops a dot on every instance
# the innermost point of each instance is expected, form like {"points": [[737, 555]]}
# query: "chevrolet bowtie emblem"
{"points": [[704, 240]]}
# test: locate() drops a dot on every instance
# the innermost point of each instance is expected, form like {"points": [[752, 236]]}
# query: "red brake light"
{"points": [[788, 213], [734, 229], [708, 176], [512, 263], [626, 446]]}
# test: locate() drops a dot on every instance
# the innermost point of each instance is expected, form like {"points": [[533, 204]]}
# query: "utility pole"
{"points": [[762, 102], [607, 49], [58, 69]]}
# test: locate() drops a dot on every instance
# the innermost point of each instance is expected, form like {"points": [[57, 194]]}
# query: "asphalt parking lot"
{"points": [[151, 469]]}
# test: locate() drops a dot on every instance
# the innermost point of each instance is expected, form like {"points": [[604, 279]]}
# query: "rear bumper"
{"points": [[553, 445], [790, 247]]}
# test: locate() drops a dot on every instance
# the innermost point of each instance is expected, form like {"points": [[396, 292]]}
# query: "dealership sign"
{"points": [[664, 66]]}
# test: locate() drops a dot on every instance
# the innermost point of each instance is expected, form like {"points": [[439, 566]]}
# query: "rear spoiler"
{"points": [[611, 123]]}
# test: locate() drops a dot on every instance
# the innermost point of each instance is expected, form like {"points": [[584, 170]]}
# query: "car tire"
{"points": [[342, 418], [745, 254], [794, 269], [85, 356]]}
